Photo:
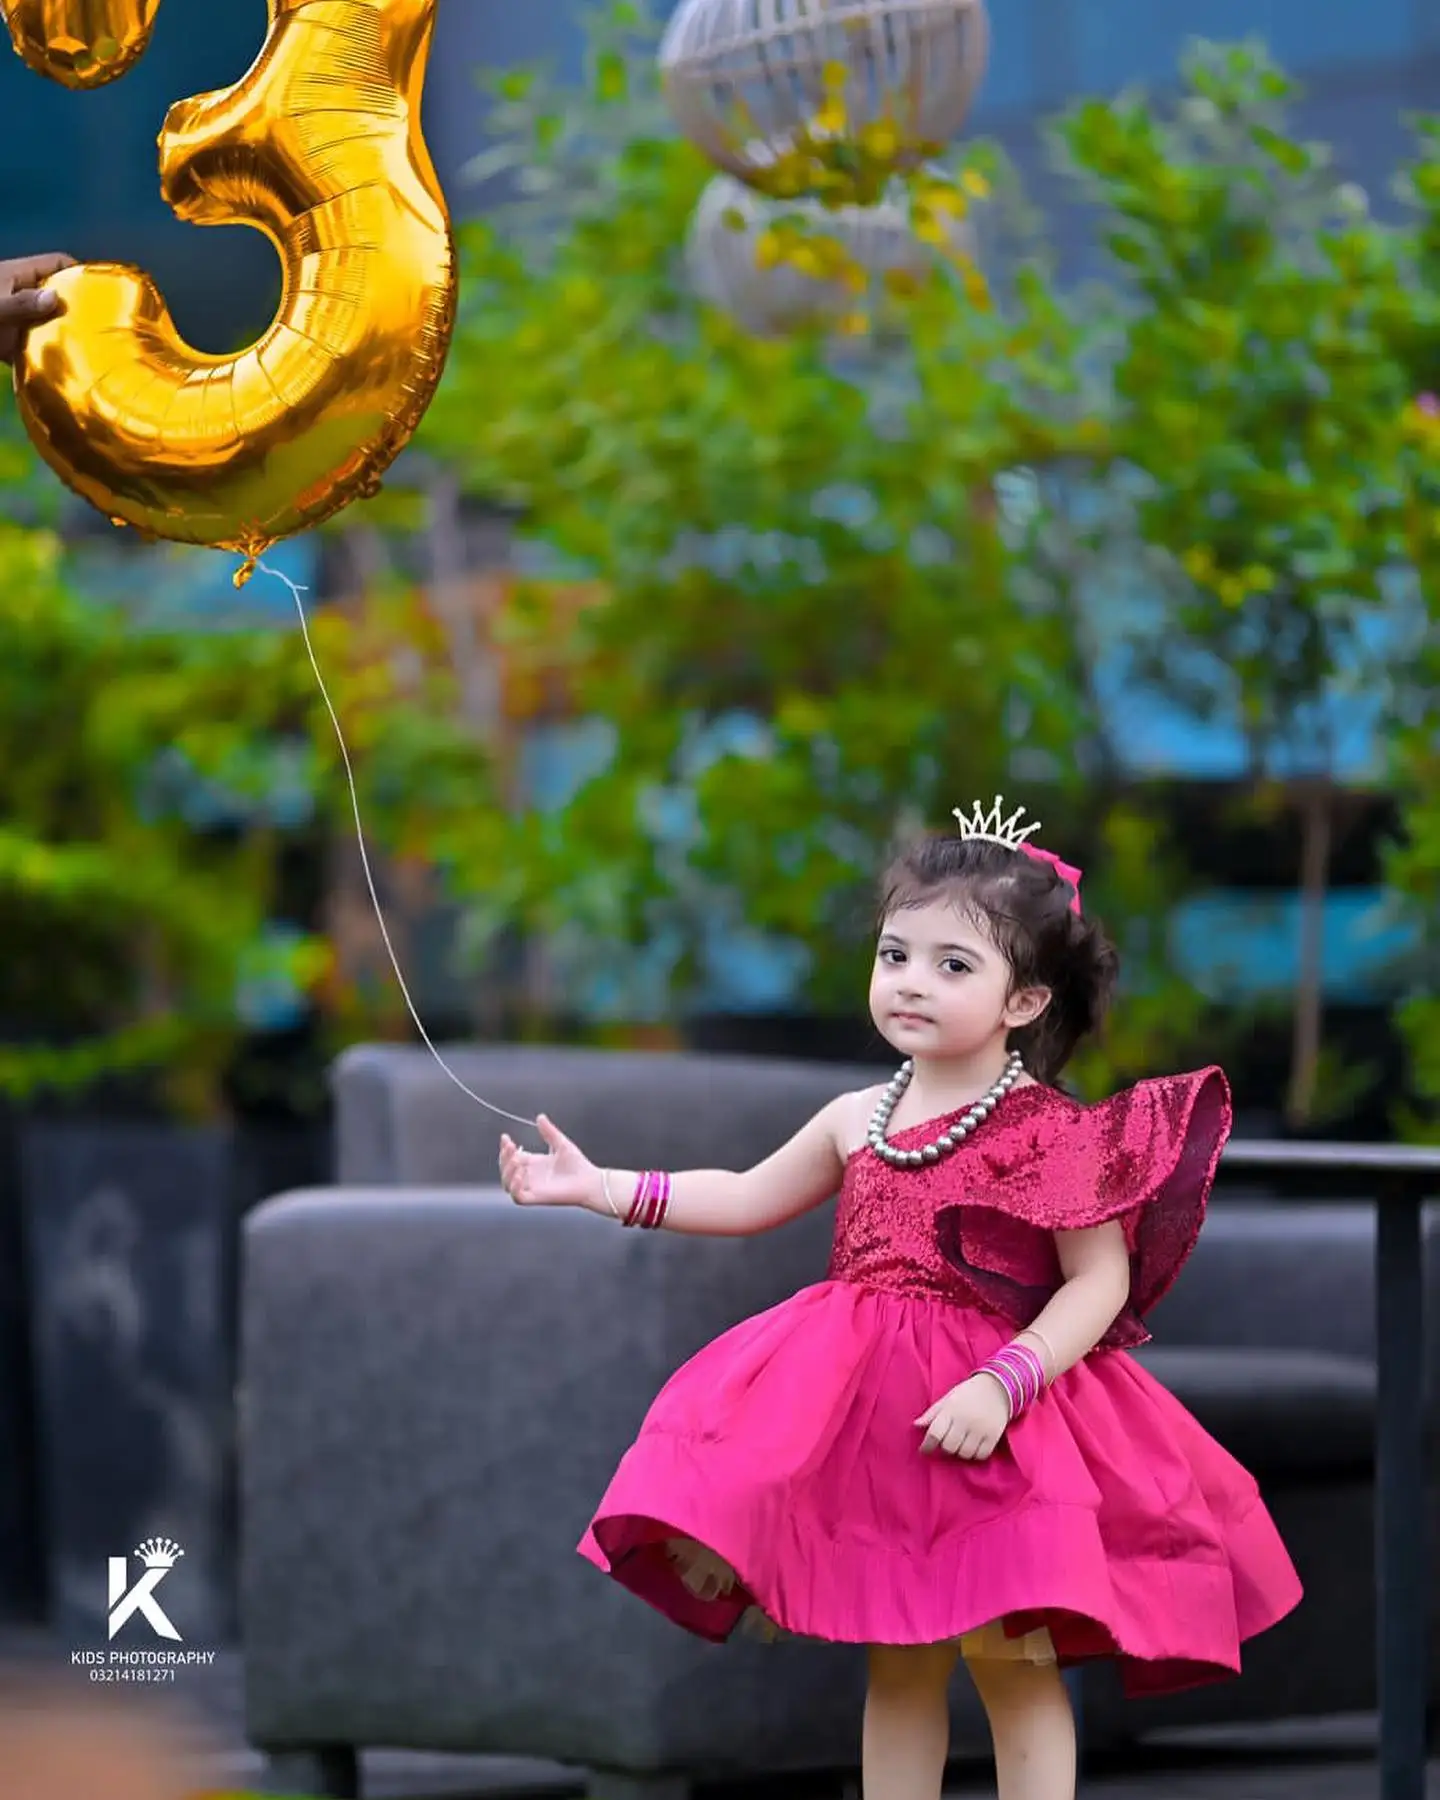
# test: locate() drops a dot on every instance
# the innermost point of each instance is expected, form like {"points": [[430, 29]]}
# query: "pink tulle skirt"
{"points": [[1108, 1523]]}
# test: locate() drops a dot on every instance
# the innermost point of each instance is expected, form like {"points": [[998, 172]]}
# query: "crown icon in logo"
{"points": [[159, 1553], [992, 828]]}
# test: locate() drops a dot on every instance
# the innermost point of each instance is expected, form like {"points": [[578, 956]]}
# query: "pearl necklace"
{"points": [[948, 1139]]}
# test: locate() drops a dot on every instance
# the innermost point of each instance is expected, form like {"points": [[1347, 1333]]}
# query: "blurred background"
{"points": [[687, 596]]}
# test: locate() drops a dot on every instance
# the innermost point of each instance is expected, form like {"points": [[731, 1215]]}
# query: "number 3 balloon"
{"points": [[80, 43], [320, 147]]}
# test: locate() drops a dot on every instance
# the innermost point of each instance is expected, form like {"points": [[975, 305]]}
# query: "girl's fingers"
{"points": [[551, 1132]]}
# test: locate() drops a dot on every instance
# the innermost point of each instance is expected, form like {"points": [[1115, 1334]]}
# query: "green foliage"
{"points": [[1257, 389], [1413, 868], [810, 623], [130, 924], [1261, 393]]}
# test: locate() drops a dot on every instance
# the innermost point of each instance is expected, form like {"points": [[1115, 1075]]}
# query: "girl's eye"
{"points": [[885, 955], [956, 967]]}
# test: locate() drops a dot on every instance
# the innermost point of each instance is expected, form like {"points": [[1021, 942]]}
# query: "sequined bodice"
{"points": [[978, 1227], [885, 1223]]}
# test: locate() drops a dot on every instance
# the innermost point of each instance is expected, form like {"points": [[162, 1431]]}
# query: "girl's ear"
{"points": [[1025, 1006]]}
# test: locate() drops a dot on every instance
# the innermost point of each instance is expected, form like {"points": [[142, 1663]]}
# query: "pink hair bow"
{"points": [[1066, 871]]}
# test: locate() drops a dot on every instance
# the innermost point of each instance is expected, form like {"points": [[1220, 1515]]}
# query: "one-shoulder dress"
{"points": [[778, 1477]]}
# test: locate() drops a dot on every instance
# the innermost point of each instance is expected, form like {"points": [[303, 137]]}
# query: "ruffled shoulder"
{"points": [[1147, 1157]]}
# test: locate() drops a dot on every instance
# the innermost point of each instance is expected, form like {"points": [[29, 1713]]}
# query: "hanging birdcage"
{"points": [[830, 98], [783, 266]]}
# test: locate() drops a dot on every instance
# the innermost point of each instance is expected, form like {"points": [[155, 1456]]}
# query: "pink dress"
{"points": [[783, 1463]]}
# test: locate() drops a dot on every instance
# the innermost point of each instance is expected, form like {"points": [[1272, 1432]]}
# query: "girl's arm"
{"points": [[970, 1420], [716, 1203], [703, 1202], [1096, 1265]]}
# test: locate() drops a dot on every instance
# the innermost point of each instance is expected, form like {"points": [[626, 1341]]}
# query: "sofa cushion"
{"points": [[1283, 1413]]}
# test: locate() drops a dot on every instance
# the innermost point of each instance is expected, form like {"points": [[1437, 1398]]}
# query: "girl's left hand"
{"points": [[968, 1422]]}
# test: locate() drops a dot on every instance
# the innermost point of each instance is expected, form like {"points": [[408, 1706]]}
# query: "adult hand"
{"points": [[969, 1421], [23, 302]]}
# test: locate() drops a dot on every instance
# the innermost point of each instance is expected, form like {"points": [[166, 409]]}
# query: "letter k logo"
{"points": [[138, 1599]]}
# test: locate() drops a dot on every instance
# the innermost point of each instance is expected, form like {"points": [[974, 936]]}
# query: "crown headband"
{"points": [[994, 828]]}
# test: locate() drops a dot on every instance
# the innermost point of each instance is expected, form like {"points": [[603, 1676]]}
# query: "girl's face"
{"points": [[941, 985]]}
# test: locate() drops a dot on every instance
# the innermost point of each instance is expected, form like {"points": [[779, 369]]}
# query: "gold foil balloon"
{"points": [[80, 43], [319, 146]]}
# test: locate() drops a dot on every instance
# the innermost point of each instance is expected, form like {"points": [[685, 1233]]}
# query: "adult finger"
{"points": [[30, 271], [24, 306]]}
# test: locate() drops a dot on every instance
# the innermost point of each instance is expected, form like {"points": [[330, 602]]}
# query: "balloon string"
{"points": [[479, 1099]]}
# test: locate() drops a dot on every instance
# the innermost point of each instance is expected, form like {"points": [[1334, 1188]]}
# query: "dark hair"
{"points": [[1027, 908]]}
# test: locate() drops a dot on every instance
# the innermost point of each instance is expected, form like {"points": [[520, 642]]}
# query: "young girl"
{"points": [[942, 1449]]}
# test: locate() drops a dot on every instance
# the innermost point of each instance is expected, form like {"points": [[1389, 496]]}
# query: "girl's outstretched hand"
{"points": [[563, 1176], [968, 1422]]}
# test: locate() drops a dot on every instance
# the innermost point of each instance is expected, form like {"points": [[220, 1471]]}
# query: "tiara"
{"points": [[991, 828]]}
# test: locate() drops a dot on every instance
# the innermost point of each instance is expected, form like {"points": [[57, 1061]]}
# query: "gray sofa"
{"points": [[436, 1386]]}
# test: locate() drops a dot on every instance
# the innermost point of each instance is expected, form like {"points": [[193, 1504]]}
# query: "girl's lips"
{"points": [[904, 1018]]}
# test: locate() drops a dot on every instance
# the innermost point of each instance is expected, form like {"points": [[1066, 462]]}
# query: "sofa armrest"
{"points": [[436, 1387], [1286, 1276]]}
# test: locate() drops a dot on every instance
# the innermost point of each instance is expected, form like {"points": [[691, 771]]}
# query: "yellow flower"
{"points": [[769, 249], [975, 184], [940, 197], [807, 260], [854, 324], [880, 140]]}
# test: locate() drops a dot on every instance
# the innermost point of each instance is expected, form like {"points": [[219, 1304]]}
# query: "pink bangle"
{"points": [[998, 1372], [642, 1194], [1022, 1356], [1020, 1372], [1032, 1377], [651, 1202]]}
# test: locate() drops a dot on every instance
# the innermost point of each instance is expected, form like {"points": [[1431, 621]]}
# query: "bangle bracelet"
{"points": [[640, 1205], [651, 1202], [1006, 1379], [609, 1197], [1020, 1372]]}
